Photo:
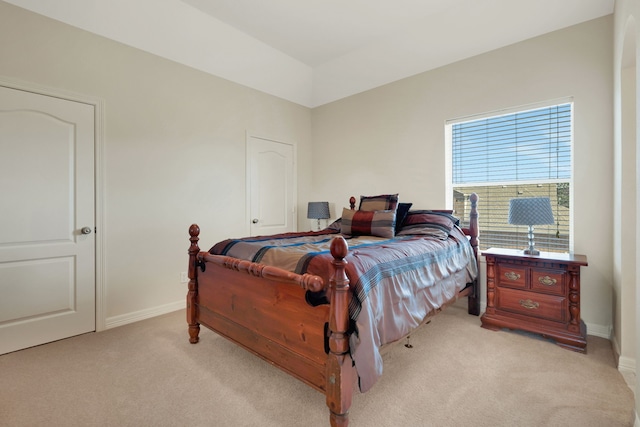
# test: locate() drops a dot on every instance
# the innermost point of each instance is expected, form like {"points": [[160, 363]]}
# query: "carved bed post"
{"points": [[339, 373], [194, 326], [474, 299], [473, 222]]}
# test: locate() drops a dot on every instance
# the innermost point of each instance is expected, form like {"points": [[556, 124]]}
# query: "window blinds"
{"points": [[524, 154], [526, 146]]}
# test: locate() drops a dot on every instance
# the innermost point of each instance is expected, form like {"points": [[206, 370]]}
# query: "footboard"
{"points": [[264, 309]]}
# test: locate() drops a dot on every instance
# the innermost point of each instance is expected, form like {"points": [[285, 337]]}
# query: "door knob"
{"points": [[255, 221], [85, 230]]}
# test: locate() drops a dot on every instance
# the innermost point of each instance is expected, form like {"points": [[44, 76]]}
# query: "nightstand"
{"points": [[536, 293]]}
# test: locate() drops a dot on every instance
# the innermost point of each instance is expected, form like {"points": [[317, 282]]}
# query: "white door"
{"points": [[271, 190], [47, 264]]}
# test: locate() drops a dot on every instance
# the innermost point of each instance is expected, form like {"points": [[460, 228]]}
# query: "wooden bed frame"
{"points": [[257, 307]]}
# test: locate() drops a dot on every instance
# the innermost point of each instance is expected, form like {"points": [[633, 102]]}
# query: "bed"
{"points": [[322, 306]]}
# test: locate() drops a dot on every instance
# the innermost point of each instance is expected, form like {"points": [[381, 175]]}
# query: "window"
{"points": [[519, 154]]}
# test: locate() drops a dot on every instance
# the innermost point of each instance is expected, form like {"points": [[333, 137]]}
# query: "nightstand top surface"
{"points": [[544, 256]]}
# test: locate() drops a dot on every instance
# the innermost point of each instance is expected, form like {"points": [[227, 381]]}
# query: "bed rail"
{"points": [[306, 281]]}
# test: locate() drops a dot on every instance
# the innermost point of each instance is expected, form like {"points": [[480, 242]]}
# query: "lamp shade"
{"points": [[318, 210], [530, 211]]}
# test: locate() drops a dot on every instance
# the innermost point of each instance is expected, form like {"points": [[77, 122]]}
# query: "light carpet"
{"points": [[147, 374]]}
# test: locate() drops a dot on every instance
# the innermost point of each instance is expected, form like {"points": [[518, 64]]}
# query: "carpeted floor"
{"points": [[147, 374]]}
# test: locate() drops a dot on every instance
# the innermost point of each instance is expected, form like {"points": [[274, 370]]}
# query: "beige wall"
{"points": [[391, 139], [174, 150]]}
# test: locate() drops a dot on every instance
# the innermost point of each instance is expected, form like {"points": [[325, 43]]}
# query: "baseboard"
{"points": [[627, 368], [627, 364], [124, 319], [616, 347], [599, 330]]}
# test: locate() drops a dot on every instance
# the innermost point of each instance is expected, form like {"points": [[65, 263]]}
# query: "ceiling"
{"points": [[317, 51], [317, 31]]}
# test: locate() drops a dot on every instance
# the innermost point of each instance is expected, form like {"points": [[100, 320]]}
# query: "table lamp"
{"points": [[318, 211], [530, 211]]}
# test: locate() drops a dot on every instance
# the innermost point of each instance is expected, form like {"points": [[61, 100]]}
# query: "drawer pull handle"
{"points": [[531, 305], [511, 275], [547, 281]]}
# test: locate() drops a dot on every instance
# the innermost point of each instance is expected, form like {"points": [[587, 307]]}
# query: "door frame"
{"points": [[248, 136], [98, 138]]}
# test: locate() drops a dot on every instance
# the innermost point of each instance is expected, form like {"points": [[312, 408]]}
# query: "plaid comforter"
{"points": [[395, 282]]}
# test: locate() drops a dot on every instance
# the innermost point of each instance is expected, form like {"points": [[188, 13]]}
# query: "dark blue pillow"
{"points": [[401, 213]]}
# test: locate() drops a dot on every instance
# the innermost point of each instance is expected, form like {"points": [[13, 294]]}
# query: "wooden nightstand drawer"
{"points": [[511, 276], [532, 304], [549, 281]]}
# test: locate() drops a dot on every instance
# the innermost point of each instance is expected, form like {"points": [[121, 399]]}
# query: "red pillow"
{"points": [[368, 223]]}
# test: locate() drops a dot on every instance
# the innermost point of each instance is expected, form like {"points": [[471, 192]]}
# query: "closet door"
{"points": [[270, 177], [47, 211]]}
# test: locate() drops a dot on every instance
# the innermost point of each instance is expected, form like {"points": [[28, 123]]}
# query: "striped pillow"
{"points": [[382, 202], [428, 223], [368, 223]]}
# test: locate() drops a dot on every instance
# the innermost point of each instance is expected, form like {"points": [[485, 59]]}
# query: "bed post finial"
{"points": [[194, 249], [352, 203], [339, 373]]}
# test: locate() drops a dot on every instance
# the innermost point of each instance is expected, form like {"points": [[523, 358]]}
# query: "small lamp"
{"points": [[530, 211], [318, 211]]}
